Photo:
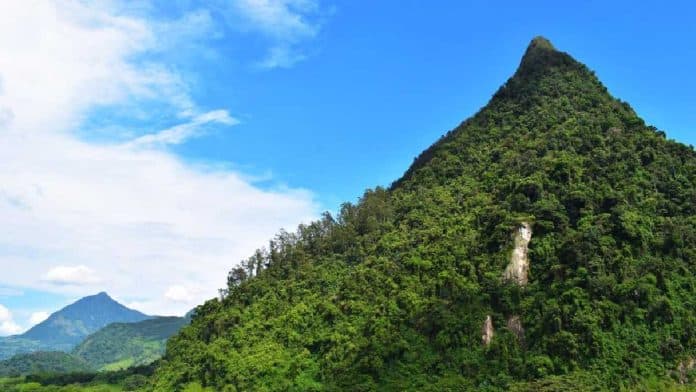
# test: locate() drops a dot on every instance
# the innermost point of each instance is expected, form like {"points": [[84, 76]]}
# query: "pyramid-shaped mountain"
{"points": [[74, 322], [547, 241], [67, 327]]}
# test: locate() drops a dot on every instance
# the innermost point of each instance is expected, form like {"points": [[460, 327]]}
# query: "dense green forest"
{"points": [[394, 292], [121, 345], [131, 379], [42, 362], [118, 357]]}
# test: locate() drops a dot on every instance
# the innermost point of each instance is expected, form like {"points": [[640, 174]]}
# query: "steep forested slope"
{"points": [[410, 288]]}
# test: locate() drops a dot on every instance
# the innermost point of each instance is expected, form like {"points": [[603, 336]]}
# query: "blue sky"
{"points": [[385, 79], [154, 144]]}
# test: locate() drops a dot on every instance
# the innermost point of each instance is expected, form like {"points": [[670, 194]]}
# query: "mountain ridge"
{"points": [[114, 347], [82, 317], [66, 327], [539, 58]]}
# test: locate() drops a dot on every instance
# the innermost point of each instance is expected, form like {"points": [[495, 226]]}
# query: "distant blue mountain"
{"points": [[66, 328]]}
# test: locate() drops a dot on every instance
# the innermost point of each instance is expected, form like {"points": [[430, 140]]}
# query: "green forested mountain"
{"points": [[120, 345], [68, 326], [71, 324], [116, 346], [547, 242], [42, 362]]}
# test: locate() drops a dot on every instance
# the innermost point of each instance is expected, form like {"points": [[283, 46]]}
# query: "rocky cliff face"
{"points": [[518, 269], [487, 331]]}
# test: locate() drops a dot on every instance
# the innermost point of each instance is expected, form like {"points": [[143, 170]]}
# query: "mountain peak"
{"points": [[541, 56], [544, 75], [99, 298], [541, 43], [81, 318]]}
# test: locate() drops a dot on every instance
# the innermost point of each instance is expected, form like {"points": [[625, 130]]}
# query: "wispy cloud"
{"points": [[286, 24], [182, 132]]}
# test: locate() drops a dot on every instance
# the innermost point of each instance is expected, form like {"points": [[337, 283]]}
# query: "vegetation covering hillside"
{"points": [[133, 379], [21, 385], [42, 362], [394, 292], [116, 346], [120, 345], [12, 345]]}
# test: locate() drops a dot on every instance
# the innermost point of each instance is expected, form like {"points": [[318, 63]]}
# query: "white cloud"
{"points": [[181, 293], [59, 59], [281, 57], [279, 18], [9, 328], [7, 324], [133, 214], [78, 275], [285, 23], [37, 317], [5, 314]]}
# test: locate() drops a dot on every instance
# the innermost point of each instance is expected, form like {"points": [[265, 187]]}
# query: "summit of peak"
{"points": [[540, 42], [541, 56]]}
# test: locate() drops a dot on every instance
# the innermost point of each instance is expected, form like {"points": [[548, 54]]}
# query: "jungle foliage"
{"points": [[391, 293], [121, 345], [42, 362], [132, 379]]}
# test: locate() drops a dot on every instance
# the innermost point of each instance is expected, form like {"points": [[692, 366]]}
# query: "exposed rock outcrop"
{"points": [[487, 331], [518, 269]]}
